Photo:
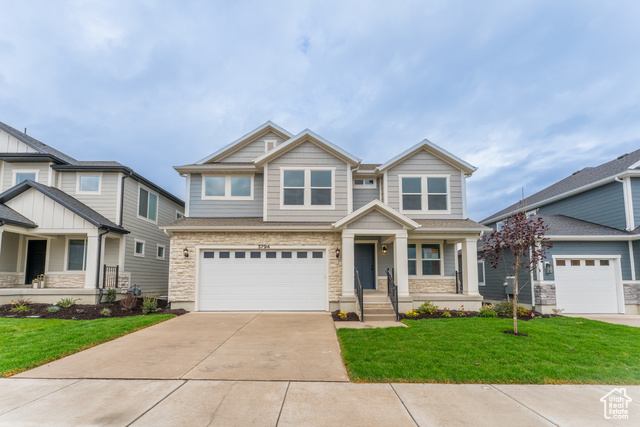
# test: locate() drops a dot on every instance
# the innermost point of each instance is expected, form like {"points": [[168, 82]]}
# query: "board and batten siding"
{"points": [[10, 144], [106, 203], [423, 163], [307, 155], [9, 252], [9, 168], [362, 196], [602, 205], [635, 198], [591, 248], [57, 251], [199, 208], [494, 289], [148, 272], [252, 150], [375, 220]]}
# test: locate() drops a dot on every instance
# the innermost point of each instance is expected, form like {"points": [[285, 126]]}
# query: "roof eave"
{"points": [[451, 158]]}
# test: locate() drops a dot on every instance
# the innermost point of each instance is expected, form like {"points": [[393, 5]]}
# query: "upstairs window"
{"points": [[307, 188], [77, 255], [88, 184], [365, 183], [428, 194], [227, 188], [21, 176], [147, 204]]}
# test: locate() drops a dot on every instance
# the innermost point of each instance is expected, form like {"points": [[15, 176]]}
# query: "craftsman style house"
{"points": [[276, 221], [594, 224], [77, 224]]}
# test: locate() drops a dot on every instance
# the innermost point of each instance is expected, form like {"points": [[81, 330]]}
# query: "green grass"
{"points": [[559, 350], [27, 343]]}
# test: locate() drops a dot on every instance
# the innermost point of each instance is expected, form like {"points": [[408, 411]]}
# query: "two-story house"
{"points": [[276, 221], [593, 218], [68, 220]]}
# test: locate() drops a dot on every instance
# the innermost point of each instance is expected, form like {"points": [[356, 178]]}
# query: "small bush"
{"points": [[53, 308], [111, 296], [20, 306], [149, 305], [129, 302], [504, 308], [105, 312], [446, 314], [523, 312], [557, 310], [411, 314], [487, 312], [461, 312], [67, 302], [428, 308]]}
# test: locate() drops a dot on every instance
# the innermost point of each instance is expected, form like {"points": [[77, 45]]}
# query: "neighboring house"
{"points": [[593, 218], [276, 221], [68, 219]]}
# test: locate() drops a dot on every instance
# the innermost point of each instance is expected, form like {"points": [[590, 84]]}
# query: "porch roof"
{"points": [[9, 216]]}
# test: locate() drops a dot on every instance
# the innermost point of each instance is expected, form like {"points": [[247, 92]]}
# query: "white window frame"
{"points": [[142, 187], [419, 259], [94, 193], [17, 171], [484, 273], [144, 248], [425, 194], [164, 251], [179, 214], [307, 189], [227, 187], [270, 144], [374, 185], [499, 225], [66, 254]]}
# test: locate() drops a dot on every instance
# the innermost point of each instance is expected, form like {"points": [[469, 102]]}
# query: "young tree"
{"points": [[517, 247]]}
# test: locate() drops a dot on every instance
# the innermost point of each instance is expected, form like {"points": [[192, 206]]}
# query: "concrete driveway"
{"points": [[618, 319], [214, 346]]}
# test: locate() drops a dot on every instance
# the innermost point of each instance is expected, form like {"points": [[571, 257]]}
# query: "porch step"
{"points": [[380, 317], [371, 311], [380, 298], [367, 305]]}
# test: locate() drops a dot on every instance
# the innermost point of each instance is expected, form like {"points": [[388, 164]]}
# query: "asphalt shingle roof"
{"points": [[10, 216], [562, 225], [41, 147]]}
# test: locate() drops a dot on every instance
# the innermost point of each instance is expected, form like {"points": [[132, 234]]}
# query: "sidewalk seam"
{"points": [[41, 397], [158, 402], [520, 403], [286, 392], [403, 404]]}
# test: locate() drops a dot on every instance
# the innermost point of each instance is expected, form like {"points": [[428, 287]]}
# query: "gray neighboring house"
{"points": [[68, 219], [277, 221], [594, 225]]}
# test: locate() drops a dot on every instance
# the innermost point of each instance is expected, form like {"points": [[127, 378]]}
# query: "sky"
{"points": [[527, 91]]}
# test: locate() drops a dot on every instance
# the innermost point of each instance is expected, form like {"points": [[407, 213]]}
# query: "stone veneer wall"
{"points": [[631, 293], [545, 294], [182, 271], [382, 285], [64, 280], [124, 280], [427, 286], [10, 280]]}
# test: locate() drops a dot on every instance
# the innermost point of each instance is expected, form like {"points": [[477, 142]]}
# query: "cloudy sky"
{"points": [[528, 91]]}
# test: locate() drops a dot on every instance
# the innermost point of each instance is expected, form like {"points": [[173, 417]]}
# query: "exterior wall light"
{"points": [[548, 268], [384, 249], [186, 252], [337, 253]]}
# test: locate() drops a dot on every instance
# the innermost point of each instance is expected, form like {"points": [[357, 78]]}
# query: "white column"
{"points": [[470, 266], [347, 264], [92, 259], [1, 231], [401, 265]]}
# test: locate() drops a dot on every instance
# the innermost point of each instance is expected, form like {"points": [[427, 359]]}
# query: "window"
{"points": [[209, 255], [271, 254], [430, 259], [179, 215], [560, 263], [160, 252], [227, 188], [481, 272], [301, 255], [147, 205], [590, 262], [138, 248], [411, 256], [316, 254], [256, 254], [575, 263], [286, 254], [425, 193], [604, 263], [371, 183], [224, 254], [88, 184], [77, 255], [20, 176], [240, 255], [307, 188]]}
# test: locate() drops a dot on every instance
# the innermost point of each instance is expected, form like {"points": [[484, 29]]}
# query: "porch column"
{"points": [[470, 266], [401, 263], [92, 259], [2, 231], [347, 264]]}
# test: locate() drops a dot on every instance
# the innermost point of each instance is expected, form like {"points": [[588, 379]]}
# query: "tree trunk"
{"points": [[515, 297]]}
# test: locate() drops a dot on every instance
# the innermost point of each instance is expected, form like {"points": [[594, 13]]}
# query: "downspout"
{"points": [[127, 175], [99, 257]]}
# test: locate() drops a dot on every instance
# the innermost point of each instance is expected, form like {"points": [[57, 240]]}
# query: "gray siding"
{"points": [[425, 163], [449, 259], [106, 202], [151, 274], [9, 168], [252, 150], [593, 248], [636, 257], [307, 154], [603, 205], [112, 251], [362, 196], [9, 252], [374, 220], [635, 191], [57, 251], [494, 279], [225, 208]]}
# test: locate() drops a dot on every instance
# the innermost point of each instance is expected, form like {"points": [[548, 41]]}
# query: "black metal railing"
{"points": [[360, 294], [392, 292], [458, 283]]}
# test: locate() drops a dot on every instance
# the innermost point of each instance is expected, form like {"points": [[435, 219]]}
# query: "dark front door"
{"points": [[36, 255], [365, 261]]}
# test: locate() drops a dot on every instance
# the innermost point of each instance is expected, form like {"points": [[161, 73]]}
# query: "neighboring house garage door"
{"points": [[262, 280], [586, 285]]}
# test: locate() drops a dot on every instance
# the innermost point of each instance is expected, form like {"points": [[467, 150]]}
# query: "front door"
{"points": [[36, 256], [365, 262]]}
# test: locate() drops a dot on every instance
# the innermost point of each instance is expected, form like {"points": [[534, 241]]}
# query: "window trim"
{"points": [[144, 248], [419, 259], [425, 193], [179, 213], [307, 188], [79, 176], [164, 251], [17, 171], [484, 273], [272, 142], [227, 187], [142, 187], [374, 185], [66, 254]]}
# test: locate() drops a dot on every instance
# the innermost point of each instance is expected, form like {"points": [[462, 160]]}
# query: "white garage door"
{"points": [[262, 280], [586, 285]]}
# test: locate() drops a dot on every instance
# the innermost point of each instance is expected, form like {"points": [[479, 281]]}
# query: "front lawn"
{"points": [[27, 343], [559, 350]]}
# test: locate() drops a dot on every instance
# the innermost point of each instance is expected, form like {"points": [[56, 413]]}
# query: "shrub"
{"points": [[149, 305], [487, 312], [523, 312], [504, 308], [67, 302], [461, 312], [105, 312], [411, 314], [428, 308], [129, 302], [53, 308], [19, 306], [111, 296], [446, 314]]}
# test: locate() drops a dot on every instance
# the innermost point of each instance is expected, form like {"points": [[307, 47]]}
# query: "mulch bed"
{"points": [[84, 311], [351, 317], [515, 333], [454, 315]]}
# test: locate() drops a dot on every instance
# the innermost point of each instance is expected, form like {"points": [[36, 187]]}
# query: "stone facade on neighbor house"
{"points": [[545, 294], [631, 292], [428, 286]]}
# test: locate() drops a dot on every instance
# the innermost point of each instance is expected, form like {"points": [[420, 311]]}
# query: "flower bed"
{"points": [[350, 316]]}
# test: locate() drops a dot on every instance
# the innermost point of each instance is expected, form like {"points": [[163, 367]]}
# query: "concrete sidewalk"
{"points": [[36, 402]]}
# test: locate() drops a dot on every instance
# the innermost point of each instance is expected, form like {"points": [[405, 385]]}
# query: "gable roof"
{"points": [[40, 147], [9, 216], [582, 180], [69, 202], [305, 135], [244, 140], [378, 206], [434, 149]]}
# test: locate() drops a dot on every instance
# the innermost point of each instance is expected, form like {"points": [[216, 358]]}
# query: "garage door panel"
{"points": [[586, 288]]}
